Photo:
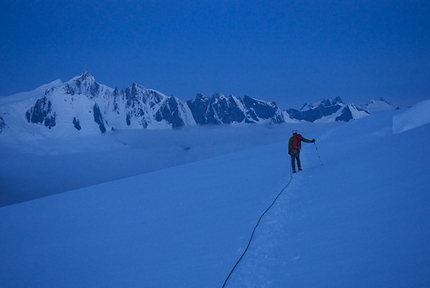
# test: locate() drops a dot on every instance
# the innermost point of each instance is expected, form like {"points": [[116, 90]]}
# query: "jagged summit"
{"points": [[221, 109], [82, 105], [85, 84], [375, 106], [324, 102], [327, 109]]}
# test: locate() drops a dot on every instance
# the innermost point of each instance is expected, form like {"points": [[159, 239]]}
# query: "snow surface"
{"points": [[54, 165], [177, 208], [414, 117]]}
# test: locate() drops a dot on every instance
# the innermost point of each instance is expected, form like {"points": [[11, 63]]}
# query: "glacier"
{"points": [[358, 218]]}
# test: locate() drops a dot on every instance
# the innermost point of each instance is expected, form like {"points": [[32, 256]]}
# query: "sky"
{"points": [[290, 52]]}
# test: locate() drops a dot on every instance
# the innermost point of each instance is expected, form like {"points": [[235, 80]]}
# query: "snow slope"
{"points": [[31, 96], [414, 117], [58, 164], [358, 218]]}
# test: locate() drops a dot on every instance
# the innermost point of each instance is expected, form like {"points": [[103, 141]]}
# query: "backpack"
{"points": [[297, 142]]}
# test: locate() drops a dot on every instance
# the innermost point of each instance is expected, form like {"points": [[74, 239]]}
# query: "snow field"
{"points": [[359, 220], [175, 220]]}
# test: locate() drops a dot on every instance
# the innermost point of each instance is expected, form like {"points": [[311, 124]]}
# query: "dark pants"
{"points": [[295, 156]]}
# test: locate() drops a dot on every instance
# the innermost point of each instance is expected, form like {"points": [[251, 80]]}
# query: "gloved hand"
{"points": [[313, 141]]}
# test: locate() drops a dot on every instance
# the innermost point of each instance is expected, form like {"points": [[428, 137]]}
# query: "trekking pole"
{"points": [[318, 153]]}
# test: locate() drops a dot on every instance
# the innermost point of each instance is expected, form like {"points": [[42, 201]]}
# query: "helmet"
{"points": [[295, 131]]}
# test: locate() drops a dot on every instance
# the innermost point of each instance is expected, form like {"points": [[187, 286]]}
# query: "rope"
{"points": [[255, 228]]}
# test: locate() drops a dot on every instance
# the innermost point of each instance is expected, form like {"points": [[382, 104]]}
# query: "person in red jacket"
{"points": [[294, 146]]}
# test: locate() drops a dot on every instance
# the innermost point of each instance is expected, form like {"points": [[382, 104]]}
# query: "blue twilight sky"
{"points": [[290, 52]]}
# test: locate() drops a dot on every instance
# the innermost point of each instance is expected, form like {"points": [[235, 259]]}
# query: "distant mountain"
{"points": [[375, 106], [138, 107], [85, 106], [82, 103], [220, 109], [327, 110]]}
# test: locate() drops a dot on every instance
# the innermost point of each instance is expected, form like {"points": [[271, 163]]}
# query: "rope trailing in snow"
{"points": [[255, 228]]}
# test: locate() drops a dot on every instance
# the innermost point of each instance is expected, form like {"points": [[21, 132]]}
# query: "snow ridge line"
{"points": [[255, 228]]}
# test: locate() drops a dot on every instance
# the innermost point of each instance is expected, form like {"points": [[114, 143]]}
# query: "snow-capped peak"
{"points": [[380, 105], [30, 95], [85, 84]]}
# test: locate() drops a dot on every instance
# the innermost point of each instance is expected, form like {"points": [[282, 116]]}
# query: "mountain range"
{"points": [[82, 104]]}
